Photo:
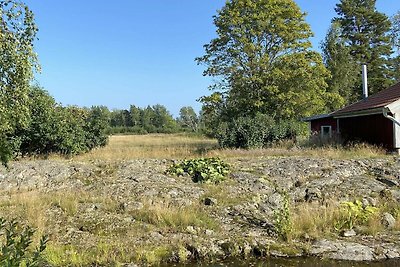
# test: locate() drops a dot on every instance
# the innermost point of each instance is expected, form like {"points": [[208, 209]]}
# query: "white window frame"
{"points": [[329, 127]]}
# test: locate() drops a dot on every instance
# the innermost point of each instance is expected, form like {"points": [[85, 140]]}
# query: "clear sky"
{"points": [[141, 52]]}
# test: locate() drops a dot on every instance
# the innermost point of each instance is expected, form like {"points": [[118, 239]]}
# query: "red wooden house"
{"points": [[374, 120]]}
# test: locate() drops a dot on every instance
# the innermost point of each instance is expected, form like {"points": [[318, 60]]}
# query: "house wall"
{"points": [[396, 130], [373, 129], [316, 124]]}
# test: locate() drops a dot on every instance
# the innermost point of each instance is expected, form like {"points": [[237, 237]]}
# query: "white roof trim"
{"points": [[394, 107]]}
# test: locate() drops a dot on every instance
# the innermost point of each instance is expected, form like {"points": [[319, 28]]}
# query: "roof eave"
{"points": [[317, 117], [359, 113]]}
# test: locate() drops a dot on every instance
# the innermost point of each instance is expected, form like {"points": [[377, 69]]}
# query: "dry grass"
{"points": [[124, 147], [178, 146], [164, 214], [314, 219], [320, 221], [331, 152]]}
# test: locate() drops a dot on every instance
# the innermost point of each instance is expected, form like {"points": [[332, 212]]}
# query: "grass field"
{"points": [[178, 146], [157, 146]]}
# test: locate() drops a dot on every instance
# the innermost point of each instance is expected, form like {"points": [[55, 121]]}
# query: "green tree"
{"points": [[163, 120], [73, 136], [97, 123], [263, 60], [120, 118], [395, 31], [18, 62], [42, 133], [344, 70], [366, 32], [135, 115], [395, 36], [188, 119], [147, 118]]}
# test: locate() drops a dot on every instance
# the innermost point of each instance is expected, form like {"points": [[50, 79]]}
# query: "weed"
{"points": [[353, 213], [203, 170], [283, 219]]}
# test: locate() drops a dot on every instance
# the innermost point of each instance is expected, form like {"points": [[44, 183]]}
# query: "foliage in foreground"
{"points": [[203, 170], [15, 246]]}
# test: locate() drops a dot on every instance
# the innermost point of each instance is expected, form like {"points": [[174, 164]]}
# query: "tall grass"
{"points": [[178, 146], [290, 150], [125, 147]]}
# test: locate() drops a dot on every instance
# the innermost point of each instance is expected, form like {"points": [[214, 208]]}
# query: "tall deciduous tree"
{"points": [[17, 64], [344, 70], [263, 59], [188, 119], [366, 32]]}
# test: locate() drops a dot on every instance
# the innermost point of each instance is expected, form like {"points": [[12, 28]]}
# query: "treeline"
{"points": [[152, 119], [53, 128]]}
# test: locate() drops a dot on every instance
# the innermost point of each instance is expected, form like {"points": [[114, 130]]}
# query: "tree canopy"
{"points": [[18, 61], [263, 60], [365, 32], [343, 68]]}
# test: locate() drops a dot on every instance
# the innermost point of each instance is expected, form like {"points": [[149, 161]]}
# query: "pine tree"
{"points": [[366, 33]]}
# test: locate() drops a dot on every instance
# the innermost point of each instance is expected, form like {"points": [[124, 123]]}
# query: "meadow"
{"points": [[180, 146]]}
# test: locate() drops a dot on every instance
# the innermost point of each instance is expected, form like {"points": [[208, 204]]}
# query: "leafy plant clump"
{"points": [[202, 170], [15, 245], [283, 219], [354, 213]]}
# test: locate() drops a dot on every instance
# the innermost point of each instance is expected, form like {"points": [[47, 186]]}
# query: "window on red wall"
{"points": [[326, 131]]}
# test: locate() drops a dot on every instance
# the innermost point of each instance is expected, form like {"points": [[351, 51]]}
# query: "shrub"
{"points": [[256, 132], [15, 246], [57, 129], [203, 170]]}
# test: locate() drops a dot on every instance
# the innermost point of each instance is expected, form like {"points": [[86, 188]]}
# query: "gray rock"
{"points": [[349, 233], [190, 229], [353, 252], [312, 194], [388, 220], [342, 250], [209, 232]]}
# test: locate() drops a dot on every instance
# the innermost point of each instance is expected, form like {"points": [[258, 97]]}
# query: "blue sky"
{"points": [[122, 52]]}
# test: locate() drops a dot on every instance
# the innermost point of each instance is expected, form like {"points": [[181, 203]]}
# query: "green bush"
{"points": [[203, 170], [15, 245], [57, 129], [256, 132]]}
